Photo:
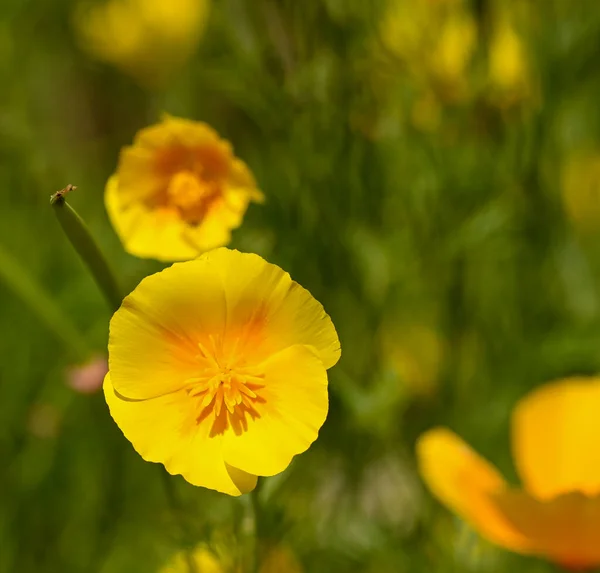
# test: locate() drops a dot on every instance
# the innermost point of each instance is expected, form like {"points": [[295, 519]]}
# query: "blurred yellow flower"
{"points": [[144, 38], [580, 186], [278, 559], [509, 73], [454, 48], [203, 558], [217, 369], [435, 39], [178, 191], [555, 431]]}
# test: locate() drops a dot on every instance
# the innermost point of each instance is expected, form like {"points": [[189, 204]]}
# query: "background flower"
{"points": [[557, 513], [178, 191], [276, 559], [87, 378], [435, 40], [145, 38], [509, 74], [203, 558]]}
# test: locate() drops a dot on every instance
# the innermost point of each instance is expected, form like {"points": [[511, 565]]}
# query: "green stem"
{"points": [[179, 514], [82, 240], [42, 305], [257, 519]]}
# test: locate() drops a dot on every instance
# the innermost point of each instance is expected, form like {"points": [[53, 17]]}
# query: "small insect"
{"points": [[59, 195]]}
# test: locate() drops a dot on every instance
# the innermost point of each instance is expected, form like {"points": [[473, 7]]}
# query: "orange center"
{"points": [[190, 193], [227, 386]]}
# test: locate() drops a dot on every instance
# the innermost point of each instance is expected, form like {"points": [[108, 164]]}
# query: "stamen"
{"points": [[219, 401], [222, 386], [246, 391], [207, 356], [256, 379]]}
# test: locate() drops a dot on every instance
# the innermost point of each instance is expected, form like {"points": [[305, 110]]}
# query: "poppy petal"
{"points": [[279, 311], [165, 430], [154, 336], [295, 408], [465, 483], [555, 432], [565, 530]]}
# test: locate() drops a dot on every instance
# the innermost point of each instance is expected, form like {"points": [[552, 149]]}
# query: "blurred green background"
{"points": [[432, 174]]}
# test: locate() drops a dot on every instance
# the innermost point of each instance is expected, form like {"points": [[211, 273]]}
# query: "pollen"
{"points": [[188, 192], [225, 385]]}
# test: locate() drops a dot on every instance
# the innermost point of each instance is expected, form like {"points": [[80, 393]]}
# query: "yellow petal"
{"points": [[137, 174], [164, 430], [160, 233], [565, 530], [230, 209], [240, 176], [295, 408], [280, 311], [154, 336], [465, 483], [175, 131], [204, 560], [556, 430]]}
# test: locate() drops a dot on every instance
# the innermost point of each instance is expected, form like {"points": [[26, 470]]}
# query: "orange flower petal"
{"points": [[565, 530], [465, 482], [278, 311], [556, 430], [164, 430]]}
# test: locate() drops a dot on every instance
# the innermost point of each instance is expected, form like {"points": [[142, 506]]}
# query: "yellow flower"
{"points": [[435, 39], [204, 560], [277, 559], [555, 432], [145, 38], [217, 369], [580, 181], [508, 67], [178, 191], [455, 46]]}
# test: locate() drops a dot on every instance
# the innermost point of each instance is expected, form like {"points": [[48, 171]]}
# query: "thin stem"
{"points": [[82, 240], [179, 514], [257, 518], [42, 305]]}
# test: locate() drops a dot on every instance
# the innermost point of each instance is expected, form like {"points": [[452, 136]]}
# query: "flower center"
{"points": [[188, 191], [226, 386]]}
